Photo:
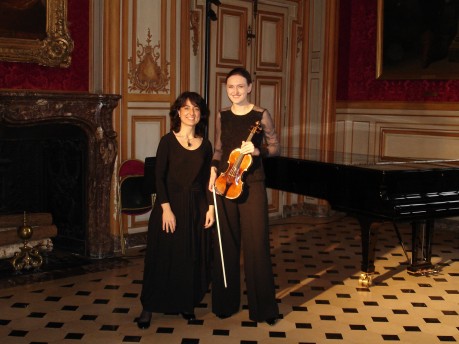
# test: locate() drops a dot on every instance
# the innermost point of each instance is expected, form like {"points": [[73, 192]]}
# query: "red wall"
{"points": [[31, 76], [357, 63]]}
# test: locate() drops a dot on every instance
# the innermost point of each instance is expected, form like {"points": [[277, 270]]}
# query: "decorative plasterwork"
{"points": [[147, 75], [195, 24]]}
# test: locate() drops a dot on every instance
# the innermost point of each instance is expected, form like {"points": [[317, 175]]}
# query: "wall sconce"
{"points": [[210, 12]]}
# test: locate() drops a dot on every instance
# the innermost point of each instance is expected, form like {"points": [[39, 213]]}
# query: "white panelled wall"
{"points": [[390, 131]]}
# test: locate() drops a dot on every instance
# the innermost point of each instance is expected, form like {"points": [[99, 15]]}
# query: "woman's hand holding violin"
{"points": [[247, 147]]}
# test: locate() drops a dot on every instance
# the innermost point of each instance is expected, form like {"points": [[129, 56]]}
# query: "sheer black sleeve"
{"points": [[218, 142], [271, 146]]}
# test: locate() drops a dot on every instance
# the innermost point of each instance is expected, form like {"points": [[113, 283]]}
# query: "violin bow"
{"points": [[219, 237]]}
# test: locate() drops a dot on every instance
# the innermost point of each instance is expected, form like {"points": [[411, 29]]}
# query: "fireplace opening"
{"points": [[43, 168]]}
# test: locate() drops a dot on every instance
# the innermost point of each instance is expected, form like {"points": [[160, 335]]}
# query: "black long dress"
{"points": [[177, 265]]}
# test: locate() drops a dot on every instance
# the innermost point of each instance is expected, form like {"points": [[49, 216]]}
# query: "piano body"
{"points": [[416, 191]]}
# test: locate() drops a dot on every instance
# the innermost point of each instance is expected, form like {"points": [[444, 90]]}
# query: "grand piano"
{"points": [[375, 190]]}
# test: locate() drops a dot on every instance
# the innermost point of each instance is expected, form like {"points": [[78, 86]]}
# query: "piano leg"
{"points": [[421, 242], [368, 229]]}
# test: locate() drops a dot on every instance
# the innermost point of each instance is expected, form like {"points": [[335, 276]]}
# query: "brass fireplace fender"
{"points": [[54, 50]]}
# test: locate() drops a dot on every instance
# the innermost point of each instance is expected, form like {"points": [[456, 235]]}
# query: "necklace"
{"points": [[189, 144]]}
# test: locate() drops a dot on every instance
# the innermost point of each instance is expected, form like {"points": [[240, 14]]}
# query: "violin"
{"points": [[229, 184]]}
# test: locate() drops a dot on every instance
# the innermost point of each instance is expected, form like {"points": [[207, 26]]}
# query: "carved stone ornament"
{"points": [[147, 75], [54, 50]]}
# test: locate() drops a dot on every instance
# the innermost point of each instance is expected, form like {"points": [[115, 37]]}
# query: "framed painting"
{"points": [[417, 39], [35, 31]]}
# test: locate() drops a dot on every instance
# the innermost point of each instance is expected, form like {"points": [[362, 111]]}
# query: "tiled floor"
{"points": [[317, 267]]}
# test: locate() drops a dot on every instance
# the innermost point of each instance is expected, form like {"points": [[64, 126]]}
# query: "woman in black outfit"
{"points": [[244, 219], [178, 256]]}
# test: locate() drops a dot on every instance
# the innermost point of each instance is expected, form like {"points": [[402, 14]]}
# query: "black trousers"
{"points": [[244, 221]]}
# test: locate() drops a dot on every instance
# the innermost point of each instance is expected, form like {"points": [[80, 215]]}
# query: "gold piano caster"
{"points": [[365, 280]]}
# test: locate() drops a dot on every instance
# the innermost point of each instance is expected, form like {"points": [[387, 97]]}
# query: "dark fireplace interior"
{"points": [[42, 169]]}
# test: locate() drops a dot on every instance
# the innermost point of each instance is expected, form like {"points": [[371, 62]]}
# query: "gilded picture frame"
{"points": [[417, 40], [53, 49]]}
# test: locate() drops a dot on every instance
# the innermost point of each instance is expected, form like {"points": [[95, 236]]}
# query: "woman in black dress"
{"points": [[178, 256], [245, 218]]}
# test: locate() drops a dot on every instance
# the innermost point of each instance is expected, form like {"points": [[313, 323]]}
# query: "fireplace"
{"points": [[72, 140]]}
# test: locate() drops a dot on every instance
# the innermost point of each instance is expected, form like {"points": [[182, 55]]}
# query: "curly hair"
{"points": [[196, 100]]}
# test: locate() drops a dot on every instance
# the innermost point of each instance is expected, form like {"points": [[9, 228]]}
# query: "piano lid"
{"points": [[385, 163]]}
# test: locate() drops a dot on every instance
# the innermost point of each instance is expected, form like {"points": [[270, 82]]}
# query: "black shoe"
{"points": [[223, 316], [188, 316], [143, 325], [143, 322], [272, 321]]}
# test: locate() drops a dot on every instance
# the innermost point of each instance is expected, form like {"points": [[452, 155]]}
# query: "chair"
{"points": [[133, 197], [149, 173]]}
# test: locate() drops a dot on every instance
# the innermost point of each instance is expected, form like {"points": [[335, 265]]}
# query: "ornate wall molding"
{"points": [[195, 22], [147, 75], [299, 40]]}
